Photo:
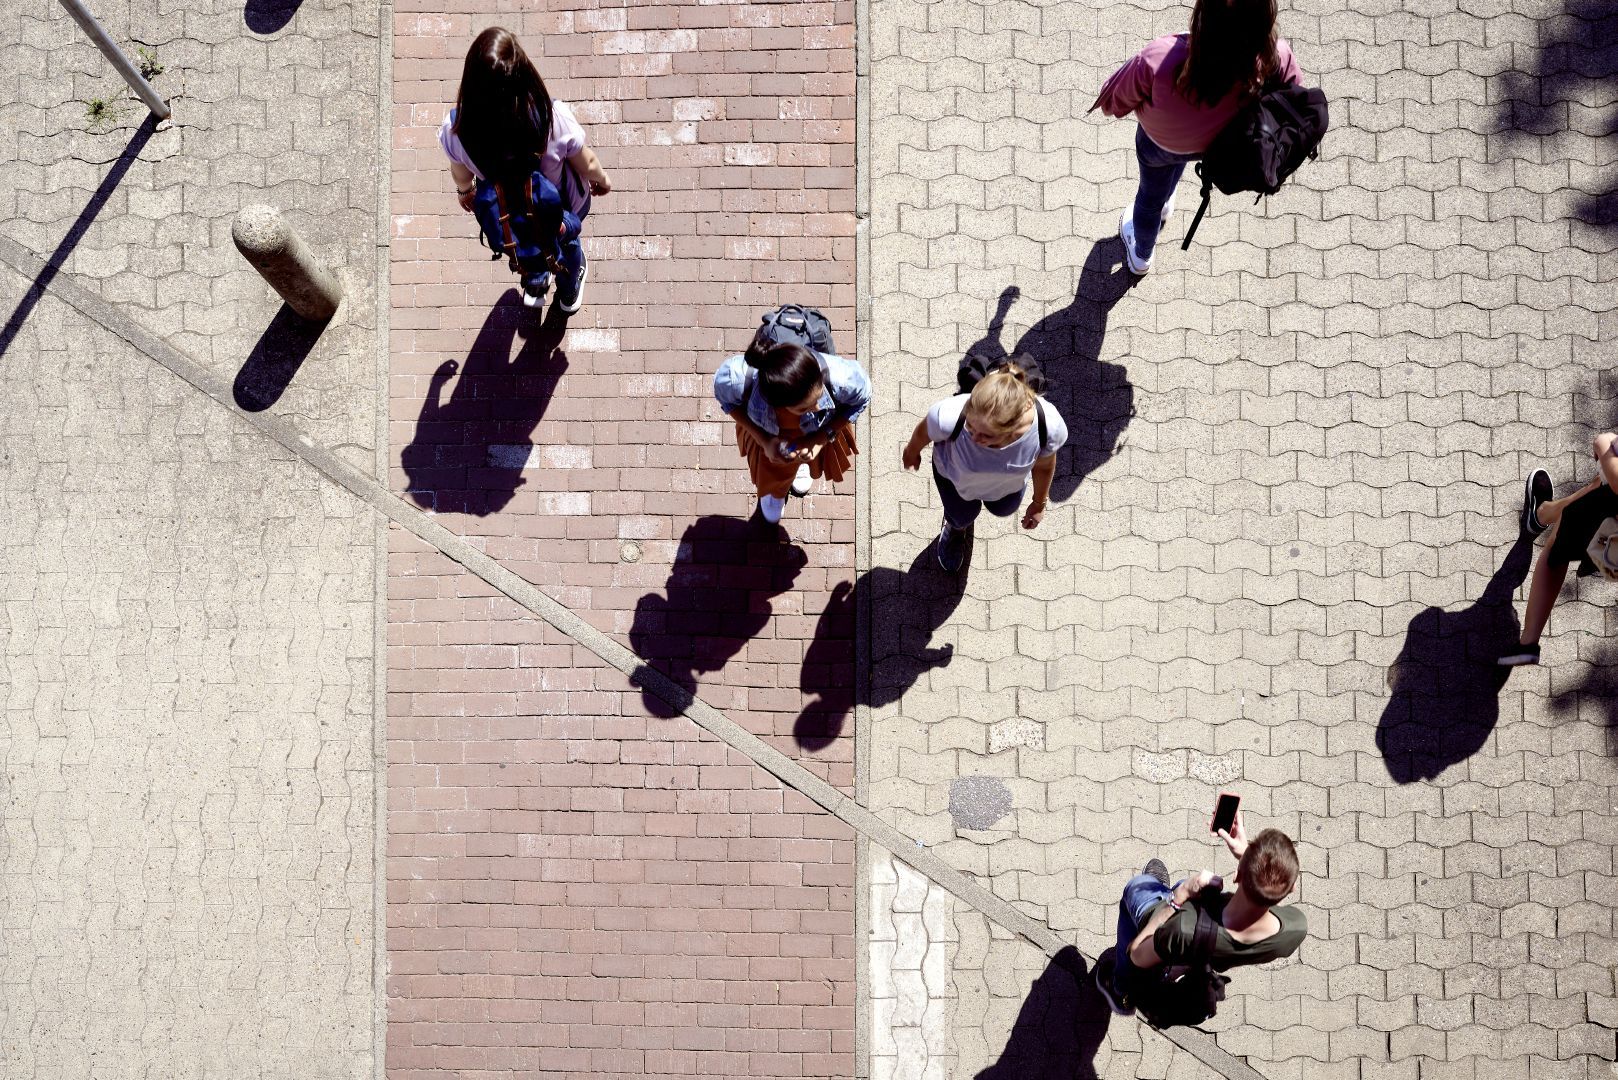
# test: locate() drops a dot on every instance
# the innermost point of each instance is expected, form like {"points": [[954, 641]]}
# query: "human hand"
{"points": [[602, 186], [1035, 514], [467, 198], [1235, 838], [912, 456], [1193, 885], [1601, 445], [776, 450]]}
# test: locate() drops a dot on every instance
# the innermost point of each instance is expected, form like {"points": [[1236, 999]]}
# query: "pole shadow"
{"points": [[468, 454], [726, 572], [1578, 52], [1059, 1028], [75, 233], [280, 352], [1444, 698], [907, 606], [268, 16], [1095, 398]]}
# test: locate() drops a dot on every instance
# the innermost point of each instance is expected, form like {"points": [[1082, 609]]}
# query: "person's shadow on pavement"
{"points": [[907, 606], [1059, 1028], [468, 454], [1095, 398], [1444, 698], [726, 572]]}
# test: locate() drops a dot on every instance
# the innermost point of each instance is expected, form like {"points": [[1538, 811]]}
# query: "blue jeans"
{"points": [[1143, 893], [572, 263], [961, 512], [1159, 172]]}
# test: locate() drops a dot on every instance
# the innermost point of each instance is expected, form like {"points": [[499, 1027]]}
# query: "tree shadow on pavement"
{"points": [[1444, 686], [1562, 90], [280, 352], [1591, 694], [726, 573], [1059, 1029], [468, 454], [1095, 398], [907, 606], [268, 16]]}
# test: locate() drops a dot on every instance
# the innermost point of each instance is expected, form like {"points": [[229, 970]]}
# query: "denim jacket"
{"points": [[847, 391]]}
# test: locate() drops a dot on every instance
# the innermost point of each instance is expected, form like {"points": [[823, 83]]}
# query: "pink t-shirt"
{"points": [[1145, 86], [567, 139]]}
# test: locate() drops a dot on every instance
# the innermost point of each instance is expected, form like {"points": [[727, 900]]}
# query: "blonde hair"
{"points": [[999, 401]]}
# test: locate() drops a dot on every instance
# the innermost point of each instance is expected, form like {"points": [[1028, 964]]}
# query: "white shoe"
{"points": [[803, 482], [1126, 232], [1168, 212], [771, 506]]}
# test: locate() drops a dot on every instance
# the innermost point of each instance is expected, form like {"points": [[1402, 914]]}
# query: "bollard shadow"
{"points": [[75, 232], [1444, 698], [468, 453], [1095, 398], [268, 16], [726, 573], [907, 607], [1577, 53], [280, 352], [1059, 1028]]}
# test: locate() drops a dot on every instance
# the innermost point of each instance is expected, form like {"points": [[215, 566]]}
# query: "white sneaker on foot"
{"points": [[771, 506], [1126, 232], [803, 482]]}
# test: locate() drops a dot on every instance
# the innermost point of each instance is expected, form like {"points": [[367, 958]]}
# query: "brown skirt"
{"points": [[833, 462]]}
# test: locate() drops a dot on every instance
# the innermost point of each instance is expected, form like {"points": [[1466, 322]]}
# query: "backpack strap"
{"points": [[1203, 940], [1207, 194]]}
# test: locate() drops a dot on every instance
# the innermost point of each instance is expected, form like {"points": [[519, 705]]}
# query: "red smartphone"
{"points": [[1224, 815]]}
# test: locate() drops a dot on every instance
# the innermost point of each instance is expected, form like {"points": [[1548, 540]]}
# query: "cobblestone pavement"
{"points": [[581, 882], [187, 641], [1284, 550]]}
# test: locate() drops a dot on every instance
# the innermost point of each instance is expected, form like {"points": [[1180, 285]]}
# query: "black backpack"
{"points": [[1263, 146], [972, 371], [800, 326], [1187, 993]]}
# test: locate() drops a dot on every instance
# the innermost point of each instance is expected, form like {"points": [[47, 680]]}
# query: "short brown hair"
{"points": [[1269, 868]]}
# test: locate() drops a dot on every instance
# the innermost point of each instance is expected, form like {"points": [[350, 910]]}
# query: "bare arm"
{"points": [[1044, 471], [589, 167], [465, 184], [1143, 950], [912, 450]]}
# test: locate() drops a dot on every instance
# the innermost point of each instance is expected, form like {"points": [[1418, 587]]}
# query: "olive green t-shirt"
{"points": [[1173, 939]]}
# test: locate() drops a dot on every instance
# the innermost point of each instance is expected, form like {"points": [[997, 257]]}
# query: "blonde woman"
{"points": [[985, 446]]}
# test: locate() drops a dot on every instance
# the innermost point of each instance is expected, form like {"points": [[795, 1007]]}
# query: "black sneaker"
{"points": [[570, 299], [1156, 868], [952, 547], [1521, 656], [1536, 492], [1106, 976]]}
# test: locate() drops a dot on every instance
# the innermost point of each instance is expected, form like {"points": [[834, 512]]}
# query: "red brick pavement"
{"points": [[579, 882]]}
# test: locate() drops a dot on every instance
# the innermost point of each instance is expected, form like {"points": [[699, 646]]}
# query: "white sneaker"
{"points": [[771, 506], [803, 482], [1126, 232]]}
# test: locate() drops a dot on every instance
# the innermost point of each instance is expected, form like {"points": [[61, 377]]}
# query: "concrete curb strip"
{"points": [[67, 288]]}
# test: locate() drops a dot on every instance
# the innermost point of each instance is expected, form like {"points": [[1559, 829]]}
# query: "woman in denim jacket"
{"points": [[793, 410]]}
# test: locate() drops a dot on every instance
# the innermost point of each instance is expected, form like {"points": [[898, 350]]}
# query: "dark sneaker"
{"points": [[534, 290], [1156, 868], [1106, 975], [1521, 656], [570, 299], [952, 547], [1536, 492]]}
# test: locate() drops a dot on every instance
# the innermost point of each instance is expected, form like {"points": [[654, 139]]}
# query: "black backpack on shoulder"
{"points": [[1263, 146], [1187, 993], [800, 326]]}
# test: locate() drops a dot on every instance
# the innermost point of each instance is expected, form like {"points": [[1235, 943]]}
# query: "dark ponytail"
{"points": [[787, 373]]}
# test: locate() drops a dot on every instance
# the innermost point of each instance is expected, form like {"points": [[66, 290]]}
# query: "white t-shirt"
{"points": [[567, 139], [982, 472]]}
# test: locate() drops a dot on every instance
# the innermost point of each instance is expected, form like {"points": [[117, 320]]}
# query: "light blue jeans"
{"points": [[1143, 893], [1159, 173]]}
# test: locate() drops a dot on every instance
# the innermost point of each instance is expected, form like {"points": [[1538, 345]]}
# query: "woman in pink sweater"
{"points": [[1183, 90]]}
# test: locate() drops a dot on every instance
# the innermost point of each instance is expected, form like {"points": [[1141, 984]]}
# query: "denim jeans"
{"points": [[1143, 893], [1159, 172], [572, 261], [961, 512]]}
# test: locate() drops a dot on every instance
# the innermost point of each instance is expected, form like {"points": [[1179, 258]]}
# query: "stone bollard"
{"points": [[281, 258]]}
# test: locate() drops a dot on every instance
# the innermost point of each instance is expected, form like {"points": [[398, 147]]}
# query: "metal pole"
{"points": [[117, 59]]}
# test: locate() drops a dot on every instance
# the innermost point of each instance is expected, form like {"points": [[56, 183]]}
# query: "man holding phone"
{"points": [[1157, 924]]}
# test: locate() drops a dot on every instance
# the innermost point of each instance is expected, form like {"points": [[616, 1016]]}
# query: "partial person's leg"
{"points": [[1543, 590], [958, 512], [1006, 505], [570, 282], [1157, 182], [1143, 893], [1550, 512]]}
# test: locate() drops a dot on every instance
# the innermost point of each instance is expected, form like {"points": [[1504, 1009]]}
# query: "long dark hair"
{"points": [[787, 373], [502, 110], [1232, 47]]}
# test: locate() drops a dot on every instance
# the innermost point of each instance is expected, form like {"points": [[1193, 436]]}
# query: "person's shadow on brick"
{"points": [[1444, 686], [468, 454], [719, 595], [907, 606], [1095, 398], [1059, 1028]]}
